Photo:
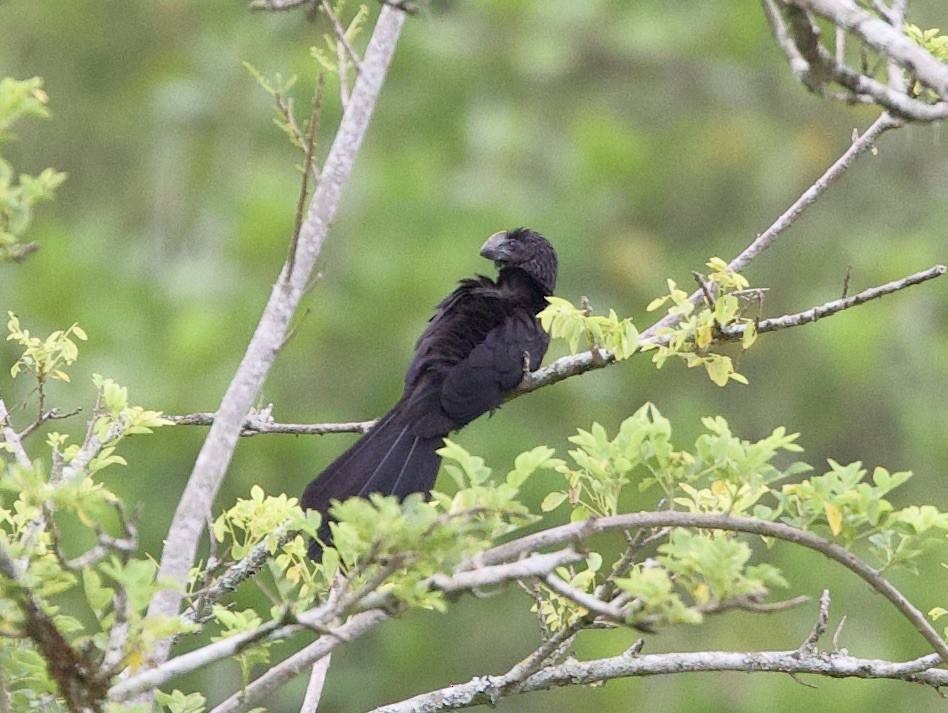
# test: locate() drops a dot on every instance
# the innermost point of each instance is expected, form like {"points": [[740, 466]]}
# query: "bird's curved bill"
{"points": [[495, 247]]}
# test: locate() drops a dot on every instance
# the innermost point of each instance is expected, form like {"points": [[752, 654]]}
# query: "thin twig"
{"points": [[309, 167], [836, 634], [341, 38], [835, 306], [253, 427], [51, 415], [849, 274], [819, 628], [277, 5], [706, 289]]}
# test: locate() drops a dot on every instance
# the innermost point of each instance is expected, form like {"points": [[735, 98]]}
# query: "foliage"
{"points": [[20, 99], [330, 57], [115, 586], [44, 357], [422, 139], [725, 474], [692, 337], [933, 41], [383, 547], [580, 328]]}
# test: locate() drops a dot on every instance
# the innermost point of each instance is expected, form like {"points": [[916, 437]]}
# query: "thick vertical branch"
{"points": [[217, 451]]}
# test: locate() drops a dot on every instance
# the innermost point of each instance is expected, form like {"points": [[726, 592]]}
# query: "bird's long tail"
{"points": [[389, 459]]}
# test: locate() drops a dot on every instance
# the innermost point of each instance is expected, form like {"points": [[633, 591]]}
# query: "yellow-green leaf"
{"points": [[834, 517]]}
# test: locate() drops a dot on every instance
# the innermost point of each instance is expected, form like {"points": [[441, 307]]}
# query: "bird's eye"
{"points": [[510, 243]]}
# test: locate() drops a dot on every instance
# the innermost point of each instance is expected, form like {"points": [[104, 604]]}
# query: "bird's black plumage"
{"points": [[469, 357]]}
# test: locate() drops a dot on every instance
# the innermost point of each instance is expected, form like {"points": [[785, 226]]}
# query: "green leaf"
{"points": [[552, 501]]}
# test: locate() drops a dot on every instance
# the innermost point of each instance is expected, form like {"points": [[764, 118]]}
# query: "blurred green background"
{"points": [[642, 138]]}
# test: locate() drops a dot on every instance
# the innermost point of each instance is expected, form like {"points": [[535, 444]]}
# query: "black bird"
{"points": [[472, 353]]}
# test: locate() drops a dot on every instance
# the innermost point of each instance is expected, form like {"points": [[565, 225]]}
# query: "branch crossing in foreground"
{"points": [[487, 690]]}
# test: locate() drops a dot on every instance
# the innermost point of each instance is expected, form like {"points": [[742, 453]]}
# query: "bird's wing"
{"points": [[477, 383], [462, 320]]}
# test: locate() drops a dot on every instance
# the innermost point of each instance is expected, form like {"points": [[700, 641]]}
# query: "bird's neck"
{"points": [[521, 283]]}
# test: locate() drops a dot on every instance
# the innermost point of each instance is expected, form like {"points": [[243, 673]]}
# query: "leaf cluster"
{"points": [[690, 340], [90, 592], [328, 56], [933, 41], [725, 303], [18, 195], [722, 473], [582, 330]]}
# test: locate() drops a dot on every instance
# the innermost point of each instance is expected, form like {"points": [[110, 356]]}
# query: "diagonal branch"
{"points": [[574, 364], [217, 451], [306, 658], [370, 607]]}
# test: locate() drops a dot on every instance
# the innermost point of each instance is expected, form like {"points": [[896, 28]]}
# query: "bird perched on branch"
{"points": [[475, 350]]}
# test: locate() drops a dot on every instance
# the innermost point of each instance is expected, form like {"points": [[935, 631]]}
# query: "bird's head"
{"points": [[524, 249]]}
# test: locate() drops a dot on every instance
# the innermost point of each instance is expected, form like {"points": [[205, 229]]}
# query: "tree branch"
{"points": [[488, 689], [314, 689], [574, 364], [377, 605], [579, 531], [216, 453], [884, 38], [254, 426], [579, 363], [11, 438], [815, 66], [833, 307]]}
